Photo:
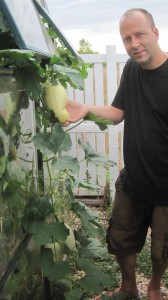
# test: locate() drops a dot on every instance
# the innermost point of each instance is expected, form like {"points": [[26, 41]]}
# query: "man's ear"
{"points": [[156, 33]]}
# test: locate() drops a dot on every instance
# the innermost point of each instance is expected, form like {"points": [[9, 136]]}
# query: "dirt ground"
{"points": [[142, 283]]}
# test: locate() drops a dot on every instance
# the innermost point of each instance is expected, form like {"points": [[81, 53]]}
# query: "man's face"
{"points": [[139, 38]]}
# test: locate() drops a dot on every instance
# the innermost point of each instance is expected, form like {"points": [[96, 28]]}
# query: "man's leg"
{"points": [[159, 250], [154, 291], [128, 284], [126, 234], [127, 266]]}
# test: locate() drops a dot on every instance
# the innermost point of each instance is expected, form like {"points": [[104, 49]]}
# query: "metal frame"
{"points": [[45, 15], [38, 40]]}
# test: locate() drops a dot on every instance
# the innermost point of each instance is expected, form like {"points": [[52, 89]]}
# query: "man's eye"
{"points": [[127, 39], [140, 34]]}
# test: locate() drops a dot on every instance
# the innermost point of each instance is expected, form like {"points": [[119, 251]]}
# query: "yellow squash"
{"points": [[57, 250], [70, 240], [55, 99]]}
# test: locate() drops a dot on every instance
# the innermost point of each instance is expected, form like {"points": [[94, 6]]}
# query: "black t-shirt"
{"points": [[143, 95]]}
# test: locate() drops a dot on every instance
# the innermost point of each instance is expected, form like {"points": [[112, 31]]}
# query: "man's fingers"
{"points": [[67, 123]]}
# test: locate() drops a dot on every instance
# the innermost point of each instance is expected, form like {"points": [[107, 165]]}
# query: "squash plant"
{"points": [[65, 234]]}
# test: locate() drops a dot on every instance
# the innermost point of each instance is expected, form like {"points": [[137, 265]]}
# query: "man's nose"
{"points": [[134, 42]]}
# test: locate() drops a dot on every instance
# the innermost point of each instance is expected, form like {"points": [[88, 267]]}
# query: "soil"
{"points": [[142, 283]]}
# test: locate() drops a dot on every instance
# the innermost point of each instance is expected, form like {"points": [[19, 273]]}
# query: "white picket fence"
{"points": [[100, 88]]}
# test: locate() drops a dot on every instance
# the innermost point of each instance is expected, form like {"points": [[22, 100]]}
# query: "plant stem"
{"points": [[48, 159], [81, 160], [74, 126], [49, 172], [29, 161]]}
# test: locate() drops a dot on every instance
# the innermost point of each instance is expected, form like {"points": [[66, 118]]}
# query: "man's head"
{"points": [[147, 15], [140, 36]]}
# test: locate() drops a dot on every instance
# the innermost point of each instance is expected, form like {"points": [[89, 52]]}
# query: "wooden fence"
{"points": [[100, 88]]}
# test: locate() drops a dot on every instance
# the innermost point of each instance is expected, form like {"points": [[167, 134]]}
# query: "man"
{"points": [[141, 199]]}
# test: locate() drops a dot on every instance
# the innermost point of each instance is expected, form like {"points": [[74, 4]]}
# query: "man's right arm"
{"points": [[78, 111]]}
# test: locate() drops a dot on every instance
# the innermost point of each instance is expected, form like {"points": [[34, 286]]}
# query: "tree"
{"points": [[85, 47]]}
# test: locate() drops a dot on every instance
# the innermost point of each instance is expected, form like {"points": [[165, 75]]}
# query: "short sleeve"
{"points": [[119, 99]]}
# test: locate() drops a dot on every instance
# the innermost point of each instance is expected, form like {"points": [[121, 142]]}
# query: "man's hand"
{"points": [[77, 112]]}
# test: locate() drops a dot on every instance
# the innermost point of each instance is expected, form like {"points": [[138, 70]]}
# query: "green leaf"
{"points": [[45, 233], [66, 162], [95, 280], [51, 142], [102, 123], [28, 70], [69, 188], [2, 165], [94, 250], [18, 58], [95, 157], [4, 143], [14, 200], [74, 294], [38, 208], [72, 74], [55, 60], [30, 79], [33, 73], [15, 171], [66, 143], [42, 143], [53, 270], [87, 185], [82, 237], [80, 210]]}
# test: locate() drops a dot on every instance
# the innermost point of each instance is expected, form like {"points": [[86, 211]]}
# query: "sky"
{"points": [[97, 20]]}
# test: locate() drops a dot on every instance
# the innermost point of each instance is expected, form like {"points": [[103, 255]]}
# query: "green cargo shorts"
{"points": [[129, 224]]}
